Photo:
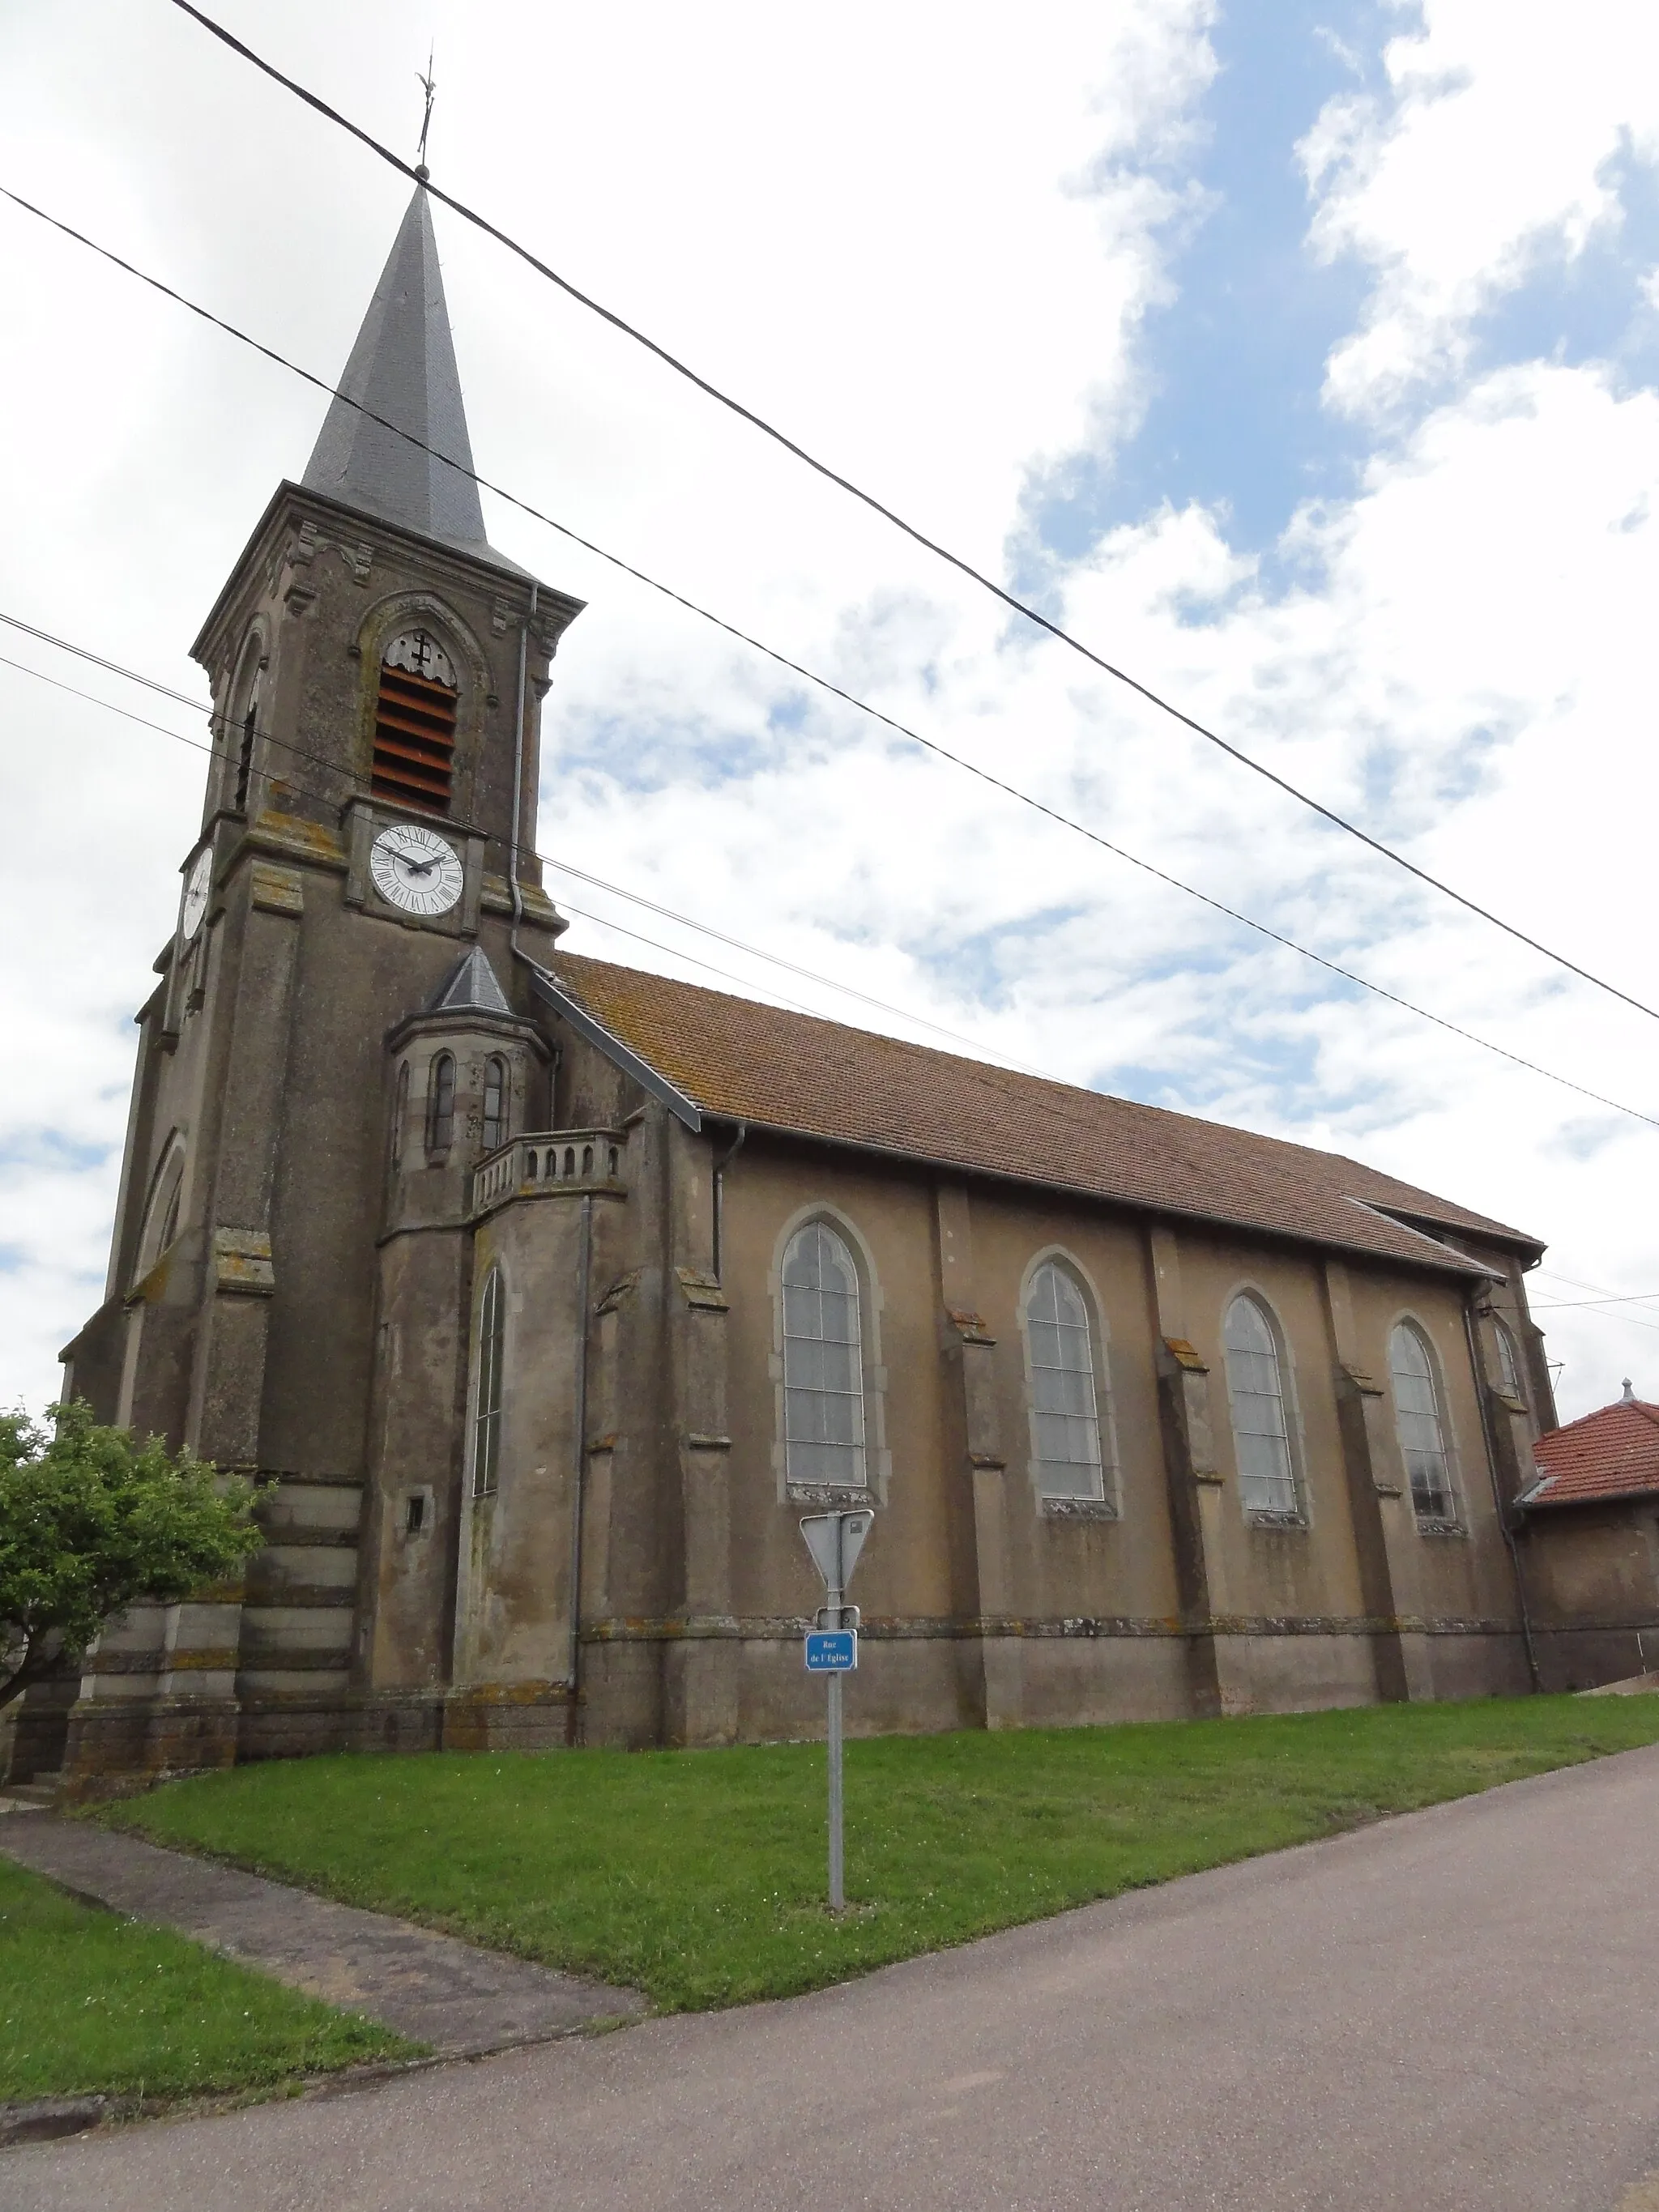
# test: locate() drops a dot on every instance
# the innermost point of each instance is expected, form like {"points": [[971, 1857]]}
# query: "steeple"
{"points": [[403, 366]]}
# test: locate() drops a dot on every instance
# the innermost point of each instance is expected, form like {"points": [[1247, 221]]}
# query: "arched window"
{"points": [[1417, 1418], [823, 1361], [399, 1115], [162, 1215], [487, 1396], [1508, 1363], [440, 1104], [1064, 1418], [245, 726], [414, 715], [1256, 1389], [494, 1102]]}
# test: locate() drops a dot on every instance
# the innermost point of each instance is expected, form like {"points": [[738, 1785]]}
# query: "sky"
{"points": [[1301, 358]]}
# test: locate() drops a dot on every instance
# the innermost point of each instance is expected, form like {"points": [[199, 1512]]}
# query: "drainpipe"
{"points": [[579, 1468], [1478, 1372], [721, 1166], [518, 773]]}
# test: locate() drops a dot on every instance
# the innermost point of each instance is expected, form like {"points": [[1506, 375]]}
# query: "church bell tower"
{"points": [[341, 1028]]}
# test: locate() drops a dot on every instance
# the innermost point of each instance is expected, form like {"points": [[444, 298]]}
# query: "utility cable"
{"points": [[1561, 1306], [418, 174], [795, 667], [811, 974], [1469, 1036], [1610, 1297]]}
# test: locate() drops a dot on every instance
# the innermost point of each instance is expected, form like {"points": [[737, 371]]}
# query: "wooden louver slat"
{"points": [[414, 741]]}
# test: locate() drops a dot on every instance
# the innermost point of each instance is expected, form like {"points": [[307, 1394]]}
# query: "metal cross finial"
{"points": [[428, 85]]}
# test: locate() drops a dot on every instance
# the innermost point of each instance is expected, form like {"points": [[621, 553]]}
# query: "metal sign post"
{"points": [[835, 1540]]}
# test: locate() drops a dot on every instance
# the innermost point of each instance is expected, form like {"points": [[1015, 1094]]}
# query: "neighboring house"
{"points": [[546, 1296], [1590, 1547]]}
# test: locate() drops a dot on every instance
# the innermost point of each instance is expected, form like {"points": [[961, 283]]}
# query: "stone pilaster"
{"points": [[228, 1378], [968, 1349], [701, 1686], [1217, 1683], [1385, 1534]]}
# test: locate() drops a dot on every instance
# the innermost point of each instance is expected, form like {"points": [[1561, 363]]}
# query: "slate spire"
{"points": [[403, 366]]}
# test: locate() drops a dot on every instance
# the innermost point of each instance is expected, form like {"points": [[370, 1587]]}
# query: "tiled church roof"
{"points": [[742, 1062], [1611, 1453]]}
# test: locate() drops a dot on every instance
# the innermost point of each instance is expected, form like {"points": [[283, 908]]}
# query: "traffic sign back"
{"points": [[835, 1540]]}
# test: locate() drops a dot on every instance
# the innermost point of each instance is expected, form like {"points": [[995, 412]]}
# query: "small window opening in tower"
{"points": [[415, 724], [441, 1105], [494, 1102]]}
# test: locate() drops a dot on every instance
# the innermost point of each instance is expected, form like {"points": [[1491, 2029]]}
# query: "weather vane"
{"points": [[429, 86]]}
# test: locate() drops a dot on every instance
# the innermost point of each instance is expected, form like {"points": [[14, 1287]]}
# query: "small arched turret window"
{"points": [[414, 712], [1418, 1425], [823, 1361], [487, 1389], [494, 1102], [1065, 1415], [440, 1104], [1256, 1392]]}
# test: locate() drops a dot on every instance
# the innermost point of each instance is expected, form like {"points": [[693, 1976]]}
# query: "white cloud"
{"points": [[1491, 153]]}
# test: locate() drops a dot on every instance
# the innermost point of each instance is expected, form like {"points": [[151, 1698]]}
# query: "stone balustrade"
{"points": [[543, 1166]]}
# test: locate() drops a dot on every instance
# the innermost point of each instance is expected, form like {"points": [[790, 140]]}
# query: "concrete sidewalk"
{"points": [[1457, 2011], [461, 2001]]}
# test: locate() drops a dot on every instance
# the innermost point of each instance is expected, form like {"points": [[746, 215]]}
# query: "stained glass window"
{"points": [[1255, 1389], [823, 1361], [1416, 1417], [1064, 1418]]}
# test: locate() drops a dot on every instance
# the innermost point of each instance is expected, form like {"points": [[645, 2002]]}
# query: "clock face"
{"points": [[198, 884], [416, 869]]}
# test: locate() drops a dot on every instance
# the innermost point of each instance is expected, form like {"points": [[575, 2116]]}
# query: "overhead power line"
{"points": [[1469, 1036], [635, 898], [795, 667], [957, 560]]}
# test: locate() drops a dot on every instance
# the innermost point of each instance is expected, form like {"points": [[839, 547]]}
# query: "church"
{"points": [[543, 1297]]}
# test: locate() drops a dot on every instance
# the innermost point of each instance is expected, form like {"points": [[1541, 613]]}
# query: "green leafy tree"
{"points": [[93, 1520]]}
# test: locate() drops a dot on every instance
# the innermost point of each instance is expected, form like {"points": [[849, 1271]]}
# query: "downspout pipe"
{"points": [[579, 1470], [515, 845], [1478, 1373], [719, 1225]]}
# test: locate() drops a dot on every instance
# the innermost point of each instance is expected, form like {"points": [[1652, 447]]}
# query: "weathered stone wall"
{"points": [[1593, 1578]]}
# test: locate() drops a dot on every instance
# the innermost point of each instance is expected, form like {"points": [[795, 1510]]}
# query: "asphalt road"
{"points": [[1454, 2010]]}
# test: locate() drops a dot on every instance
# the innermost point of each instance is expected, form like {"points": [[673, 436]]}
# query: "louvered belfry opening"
{"points": [[415, 724]]}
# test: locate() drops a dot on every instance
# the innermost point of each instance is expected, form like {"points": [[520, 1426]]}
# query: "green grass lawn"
{"points": [[91, 2002], [698, 1876]]}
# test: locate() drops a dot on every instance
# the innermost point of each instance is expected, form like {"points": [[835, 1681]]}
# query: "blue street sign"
{"points": [[831, 1650]]}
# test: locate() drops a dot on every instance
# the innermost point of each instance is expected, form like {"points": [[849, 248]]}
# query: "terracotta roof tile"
{"points": [[1612, 1453], [740, 1060]]}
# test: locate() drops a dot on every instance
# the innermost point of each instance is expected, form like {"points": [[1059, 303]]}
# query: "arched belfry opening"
{"points": [[415, 717]]}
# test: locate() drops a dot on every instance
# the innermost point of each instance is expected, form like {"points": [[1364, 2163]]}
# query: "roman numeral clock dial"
{"points": [[415, 869]]}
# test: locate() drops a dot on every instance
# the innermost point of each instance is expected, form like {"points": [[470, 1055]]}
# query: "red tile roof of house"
{"points": [[739, 1060], [1612, 1453]]}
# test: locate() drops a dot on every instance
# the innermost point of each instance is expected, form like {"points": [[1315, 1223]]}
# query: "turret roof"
{"points": [[471, 986]]}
